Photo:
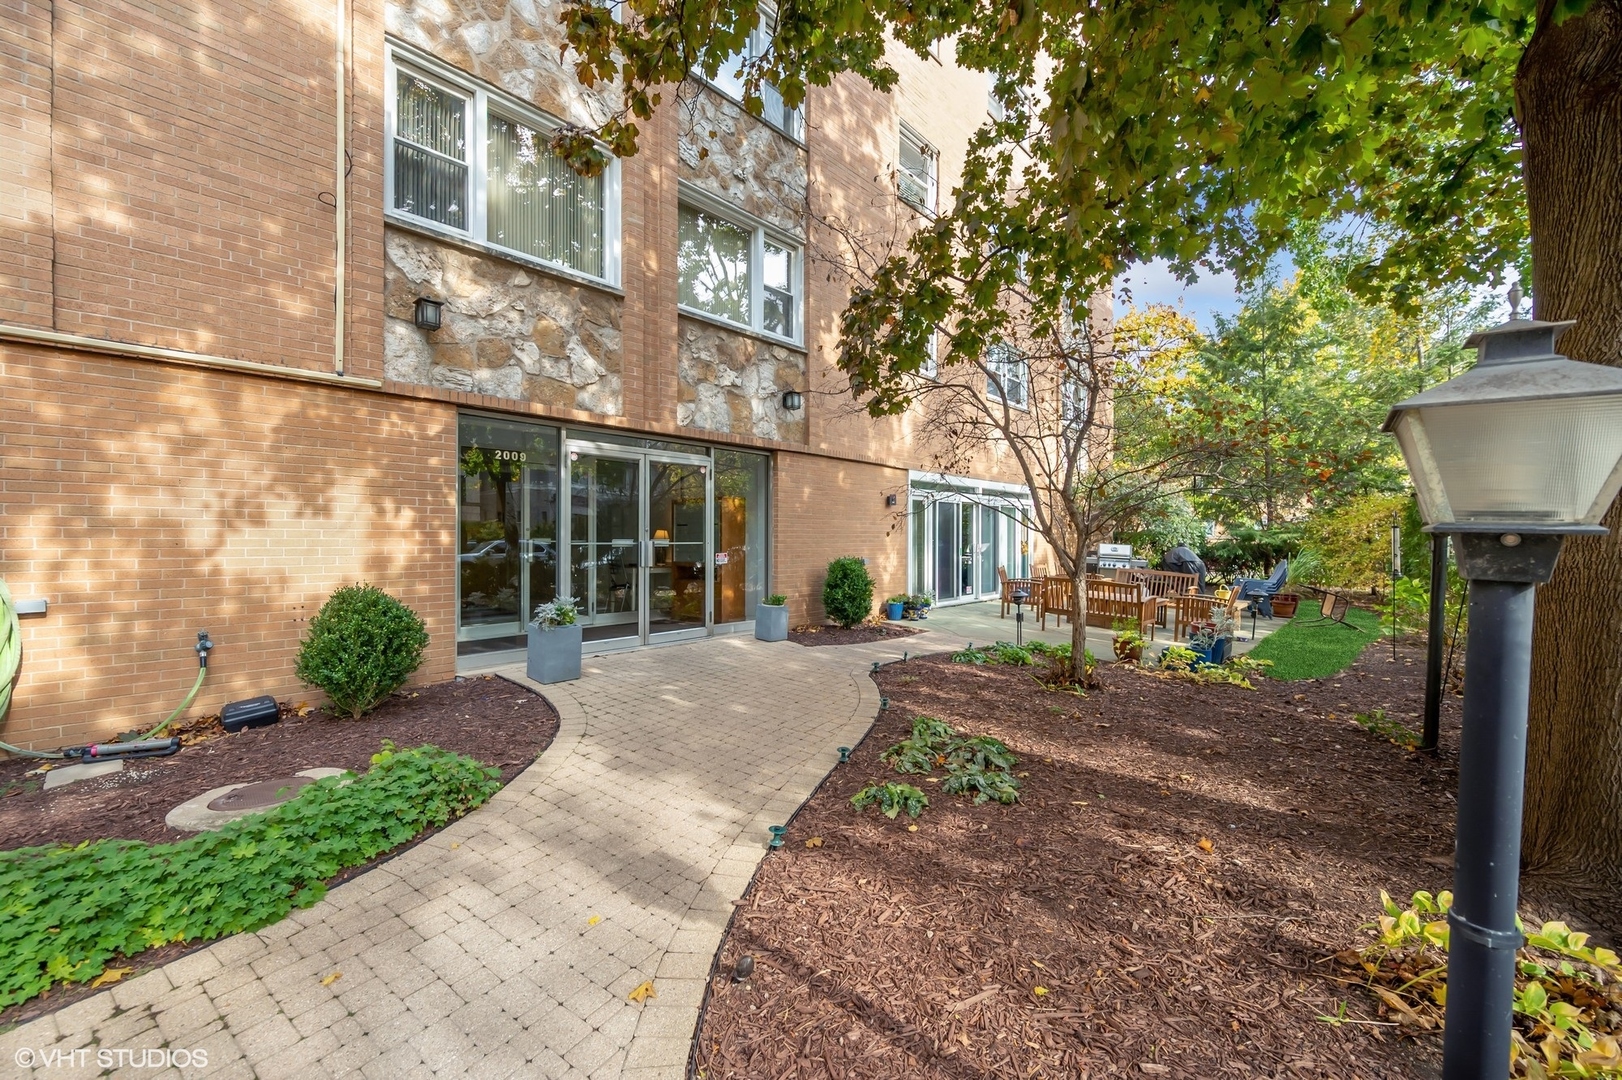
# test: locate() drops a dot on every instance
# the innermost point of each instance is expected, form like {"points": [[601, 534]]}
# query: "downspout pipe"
{"points": [[340, 195]]}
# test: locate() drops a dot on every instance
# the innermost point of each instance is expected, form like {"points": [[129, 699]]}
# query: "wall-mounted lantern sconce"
{"points": [[428, 313], [792, 400], [890, 499]]}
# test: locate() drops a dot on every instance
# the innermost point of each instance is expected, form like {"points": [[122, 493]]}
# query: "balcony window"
{"points": [[506, 189]]}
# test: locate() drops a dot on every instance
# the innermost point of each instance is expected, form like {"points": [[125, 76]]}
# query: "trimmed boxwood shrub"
{"points": [[847, 596], [362, 647], [65, 912]]}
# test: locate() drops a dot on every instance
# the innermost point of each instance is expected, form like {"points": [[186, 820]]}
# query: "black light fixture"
{"points": [[792, 400], [428, 313], [890, 500], [1509, 458]]}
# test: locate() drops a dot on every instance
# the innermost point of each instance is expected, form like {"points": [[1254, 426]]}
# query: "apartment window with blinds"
{"points": [[1006, 376], [729, 78], [916, 174], [737, 271], [505, 188], [1073, 402]]}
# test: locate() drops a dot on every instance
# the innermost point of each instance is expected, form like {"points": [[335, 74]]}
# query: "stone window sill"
{"points": [[740, 329], [504, 254]]}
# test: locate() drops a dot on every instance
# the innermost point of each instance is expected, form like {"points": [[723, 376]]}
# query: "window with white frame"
{"points": [[469, 159], [1006, 376], [994, 102], [738, 271], [931, 364], [916, 176], [729, 77], [1073, 401]]}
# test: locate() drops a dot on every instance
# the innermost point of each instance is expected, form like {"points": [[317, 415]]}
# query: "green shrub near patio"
{"points": [[66, 912], [847, 595], [1305, 649]]}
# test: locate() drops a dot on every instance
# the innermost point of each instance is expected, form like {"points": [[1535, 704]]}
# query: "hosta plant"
{"points": [[891, 799]]}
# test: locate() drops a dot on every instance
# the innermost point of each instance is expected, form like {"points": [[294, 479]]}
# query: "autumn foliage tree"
{"points": [[1204, 132]]}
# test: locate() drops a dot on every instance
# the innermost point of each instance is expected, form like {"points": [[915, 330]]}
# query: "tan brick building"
{"points": [[223, 392]]}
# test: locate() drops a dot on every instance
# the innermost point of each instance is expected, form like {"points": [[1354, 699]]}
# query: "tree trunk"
{"points": [[1078, 628], [1569, 104]]}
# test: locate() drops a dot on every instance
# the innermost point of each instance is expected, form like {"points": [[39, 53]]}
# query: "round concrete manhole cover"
{"points": [[260, 795]]}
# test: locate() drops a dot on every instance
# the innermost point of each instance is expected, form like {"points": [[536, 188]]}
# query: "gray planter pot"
{"points": [[771, 622], [554, 654]]}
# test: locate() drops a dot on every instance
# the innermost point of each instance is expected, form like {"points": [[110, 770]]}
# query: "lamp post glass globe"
{"points": [[1510, 457]]}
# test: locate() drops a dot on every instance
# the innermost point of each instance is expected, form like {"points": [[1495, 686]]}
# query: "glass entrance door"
{"points": [[678, 572], [605, 545], [639, 544]]}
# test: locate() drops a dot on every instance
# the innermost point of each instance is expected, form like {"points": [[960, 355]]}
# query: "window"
{"points": [[1073, 403], [738, 272], [506, 188], [1007, 379], [729, 78], [916, 176], [994, 103], [931, 364]]}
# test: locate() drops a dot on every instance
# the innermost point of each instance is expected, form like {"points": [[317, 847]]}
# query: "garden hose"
{"points": [[11, 659], [11, 652]]}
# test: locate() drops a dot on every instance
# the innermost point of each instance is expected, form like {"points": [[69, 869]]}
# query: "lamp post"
{"points": [[1510, 458]]}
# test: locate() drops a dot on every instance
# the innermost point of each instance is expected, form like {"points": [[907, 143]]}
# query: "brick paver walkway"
{"points": [[475, 952]]}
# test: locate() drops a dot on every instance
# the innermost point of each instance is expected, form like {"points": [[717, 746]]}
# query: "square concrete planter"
{"points": [[771, 622], [554, 653]]}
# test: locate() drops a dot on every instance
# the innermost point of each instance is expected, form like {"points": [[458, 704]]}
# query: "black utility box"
{"points": [[255, 712]]}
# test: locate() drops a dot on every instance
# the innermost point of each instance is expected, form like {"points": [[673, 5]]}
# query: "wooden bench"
{"points": [[1187, 611], [1108, 602]]}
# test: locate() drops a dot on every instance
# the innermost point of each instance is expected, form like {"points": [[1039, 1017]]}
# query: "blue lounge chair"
{"points": [[1261, 591]]}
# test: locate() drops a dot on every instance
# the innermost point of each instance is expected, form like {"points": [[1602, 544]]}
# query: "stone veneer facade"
{"points": [[506, 330]]}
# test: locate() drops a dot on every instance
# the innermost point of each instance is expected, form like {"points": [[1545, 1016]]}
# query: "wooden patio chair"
{"points": [[1010, 585], [1058, 600], [1190, 611], [1334, 607]]}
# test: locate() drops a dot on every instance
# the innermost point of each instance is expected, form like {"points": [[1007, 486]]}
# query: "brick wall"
{"points": [[190, 146], [147, 502], [25, 181], [823, 508]]}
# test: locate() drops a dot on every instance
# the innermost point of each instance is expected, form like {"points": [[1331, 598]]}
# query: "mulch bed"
{"points": [[489, 719], [891, 953], [856, 635]]}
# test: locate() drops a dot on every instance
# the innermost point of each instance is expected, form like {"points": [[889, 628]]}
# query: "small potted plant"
{"points": [[1128, 645], [909, 607], [771, 618], [896, 607], [924, 601], [1202, 639], [554, 642]]}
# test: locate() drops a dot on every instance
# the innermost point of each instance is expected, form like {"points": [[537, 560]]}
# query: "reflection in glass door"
{"points": [[677, 574], [605, 534]]}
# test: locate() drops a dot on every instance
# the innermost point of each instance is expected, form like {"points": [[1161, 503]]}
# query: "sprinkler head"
{"points": [[844, 754], [777, 832]]}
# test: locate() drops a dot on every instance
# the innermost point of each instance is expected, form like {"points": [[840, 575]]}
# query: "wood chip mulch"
{"points": [[489, 719], [856, 635], [1163, 900]]}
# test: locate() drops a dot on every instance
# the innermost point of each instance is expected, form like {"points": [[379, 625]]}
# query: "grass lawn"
{"points": [[1302, 651]]}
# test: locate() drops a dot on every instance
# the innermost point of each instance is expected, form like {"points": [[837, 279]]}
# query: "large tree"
{"points": [[1201, 132]]}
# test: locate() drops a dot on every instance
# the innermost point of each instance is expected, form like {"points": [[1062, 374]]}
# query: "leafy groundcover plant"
{"points": [[65, 912]]}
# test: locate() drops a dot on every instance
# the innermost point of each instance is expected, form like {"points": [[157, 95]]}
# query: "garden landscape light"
{"points": [[1510, 457]]}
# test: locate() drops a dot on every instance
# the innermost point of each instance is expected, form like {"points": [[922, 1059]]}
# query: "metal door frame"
{"points": [[643, 633]]}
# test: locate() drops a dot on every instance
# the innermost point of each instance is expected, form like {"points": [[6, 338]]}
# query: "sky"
{"points": [[1212, 294]]}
